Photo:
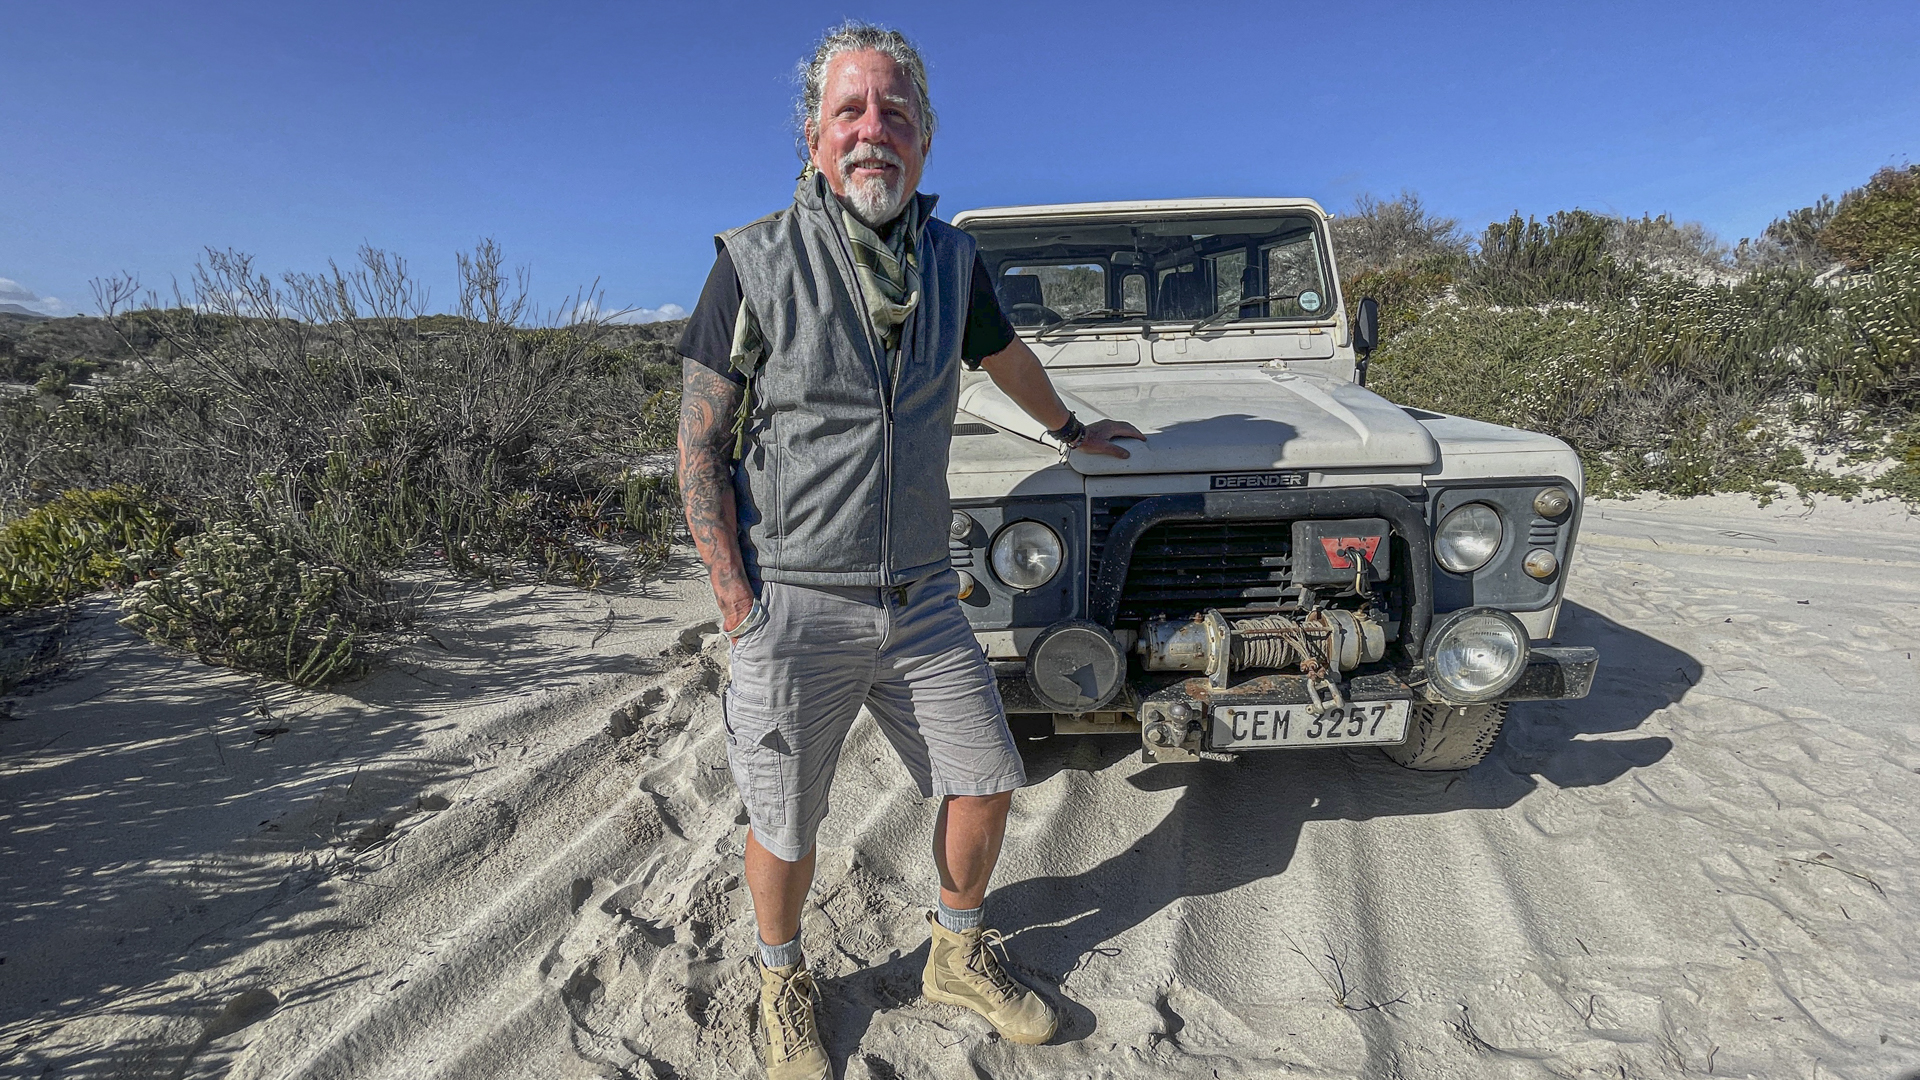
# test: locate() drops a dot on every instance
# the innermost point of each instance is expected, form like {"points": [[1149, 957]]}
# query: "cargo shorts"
{"points": [[800, 679]]}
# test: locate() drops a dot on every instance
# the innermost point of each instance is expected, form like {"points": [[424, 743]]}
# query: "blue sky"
{"points": [[608, 142]]}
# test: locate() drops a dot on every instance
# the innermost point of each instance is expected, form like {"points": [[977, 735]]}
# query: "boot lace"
{"points": [[793, 1012], [982, 961]]}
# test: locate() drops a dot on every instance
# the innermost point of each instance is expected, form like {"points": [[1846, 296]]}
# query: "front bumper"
{"points": [[1553, 673]]}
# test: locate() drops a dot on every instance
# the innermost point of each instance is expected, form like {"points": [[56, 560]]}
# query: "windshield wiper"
{"points": [[1096, 315], [1234, 308]]}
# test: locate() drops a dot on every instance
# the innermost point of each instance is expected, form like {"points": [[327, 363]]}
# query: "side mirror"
{"points": [[1366, 326], [1366, 335]]}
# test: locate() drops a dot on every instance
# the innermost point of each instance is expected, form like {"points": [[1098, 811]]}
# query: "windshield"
{"points": [[1217, 270]]}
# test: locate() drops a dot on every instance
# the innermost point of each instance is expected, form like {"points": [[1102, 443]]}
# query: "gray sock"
{"points": [[958, 920], [774, 956]]}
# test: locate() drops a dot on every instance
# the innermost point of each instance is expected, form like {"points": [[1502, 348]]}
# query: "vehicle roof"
{"points": [[986, 214]]}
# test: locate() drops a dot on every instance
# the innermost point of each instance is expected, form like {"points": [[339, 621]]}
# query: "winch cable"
{"points": [[1275, 641]]}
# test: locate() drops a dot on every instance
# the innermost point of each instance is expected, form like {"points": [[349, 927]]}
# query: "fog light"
{"points": [[961, 527], [1476, 655], [1075, 666], [966, 584], [1551, 503], [1540, 563]]}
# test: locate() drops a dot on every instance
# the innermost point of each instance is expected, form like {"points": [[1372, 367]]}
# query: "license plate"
{"points": [[1254, 727]]}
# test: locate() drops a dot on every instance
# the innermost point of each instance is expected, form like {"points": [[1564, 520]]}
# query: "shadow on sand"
{"points": [[1240, 822], [158, 818]]}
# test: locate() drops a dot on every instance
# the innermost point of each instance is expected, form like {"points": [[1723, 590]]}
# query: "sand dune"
{"points": [[455, 870]]}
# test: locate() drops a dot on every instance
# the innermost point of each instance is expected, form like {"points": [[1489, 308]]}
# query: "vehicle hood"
{"points": [[1225, 419]]}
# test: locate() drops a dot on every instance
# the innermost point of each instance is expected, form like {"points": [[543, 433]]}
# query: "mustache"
{"points": [[869, 155]]}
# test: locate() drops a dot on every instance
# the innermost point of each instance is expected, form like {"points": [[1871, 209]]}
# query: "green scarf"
{"points": [[887, 270], [884, 269]]}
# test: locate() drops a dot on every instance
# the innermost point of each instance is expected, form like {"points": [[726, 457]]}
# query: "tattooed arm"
{"points": [[708, 404]]}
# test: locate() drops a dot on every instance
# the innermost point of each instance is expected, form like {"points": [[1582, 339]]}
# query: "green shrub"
{"points": [[1563, 259], [242, 596], [1791, 242], [1879, 362], [1903, 480], [1404, 293], [650, 506], [1665, 393], [1519, 366], [60, 351], [80, 542], [1877, 222]]}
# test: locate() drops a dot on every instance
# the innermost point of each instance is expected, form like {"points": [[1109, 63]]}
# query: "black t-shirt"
{"points": [[708, 338]]}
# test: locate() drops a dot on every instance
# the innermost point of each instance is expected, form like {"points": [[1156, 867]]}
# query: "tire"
{"points": [[1443, 738]]}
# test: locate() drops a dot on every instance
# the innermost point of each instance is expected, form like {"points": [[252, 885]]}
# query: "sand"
{"points": [[455, 869]]}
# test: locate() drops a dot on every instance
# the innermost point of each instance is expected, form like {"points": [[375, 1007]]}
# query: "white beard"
{"points": [[876, 200]]}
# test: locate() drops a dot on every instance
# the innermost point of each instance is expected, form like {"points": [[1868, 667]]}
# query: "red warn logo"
{"points": [[1337, 545]]}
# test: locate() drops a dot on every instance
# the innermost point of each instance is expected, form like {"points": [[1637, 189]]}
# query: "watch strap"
{"points": [[1070, 434]]}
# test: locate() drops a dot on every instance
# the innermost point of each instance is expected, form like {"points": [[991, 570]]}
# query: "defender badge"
{"points": [[1237, 481]]}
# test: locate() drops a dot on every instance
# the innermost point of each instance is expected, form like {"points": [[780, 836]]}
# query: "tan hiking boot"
{"points": [[788, 1035], [963, 970]]}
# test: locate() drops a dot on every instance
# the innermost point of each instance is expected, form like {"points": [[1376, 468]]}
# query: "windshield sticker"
{"points": [[1309, 301]]}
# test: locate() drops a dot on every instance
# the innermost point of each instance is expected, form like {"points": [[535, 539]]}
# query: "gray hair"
{"points": [[856, 36]]}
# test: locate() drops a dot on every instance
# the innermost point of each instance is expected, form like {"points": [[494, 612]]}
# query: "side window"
{"points": [[1065, 290], [1294, 268]]}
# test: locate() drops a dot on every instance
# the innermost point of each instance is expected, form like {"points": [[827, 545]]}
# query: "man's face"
{"points": [[867, 139]]}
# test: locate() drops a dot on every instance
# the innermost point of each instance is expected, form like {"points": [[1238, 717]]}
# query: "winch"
{"points": [[1321, 643]]}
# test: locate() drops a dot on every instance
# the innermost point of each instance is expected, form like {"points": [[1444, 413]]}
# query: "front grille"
{"points": [[1180, 567], [1183, 567]]}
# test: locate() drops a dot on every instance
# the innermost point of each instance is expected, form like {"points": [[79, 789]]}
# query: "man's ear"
{"points": [[813, 142]]}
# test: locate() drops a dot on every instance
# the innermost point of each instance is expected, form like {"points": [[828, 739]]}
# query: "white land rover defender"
{"points": [[1290, 560]]}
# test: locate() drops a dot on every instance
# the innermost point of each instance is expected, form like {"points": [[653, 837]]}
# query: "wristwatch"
{"points": [[1070, 434]]}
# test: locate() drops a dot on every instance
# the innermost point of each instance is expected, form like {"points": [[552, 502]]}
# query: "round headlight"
{"points": [[1476, 655], [1026, 554], [1467, 538], [1552, 502]]}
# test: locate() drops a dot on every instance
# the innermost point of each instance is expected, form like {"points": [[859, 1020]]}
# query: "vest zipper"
{"points": [[882, 363]]}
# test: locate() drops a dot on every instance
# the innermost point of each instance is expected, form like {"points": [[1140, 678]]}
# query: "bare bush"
{"points": [[1688, 249], [333, 403], [331, 413], [1378, 235]]}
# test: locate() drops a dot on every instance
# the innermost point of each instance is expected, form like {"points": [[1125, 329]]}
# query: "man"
{"points": [[822, 371]]}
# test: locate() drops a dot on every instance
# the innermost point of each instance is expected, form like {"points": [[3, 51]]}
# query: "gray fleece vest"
{"points": [[843, 476]]}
